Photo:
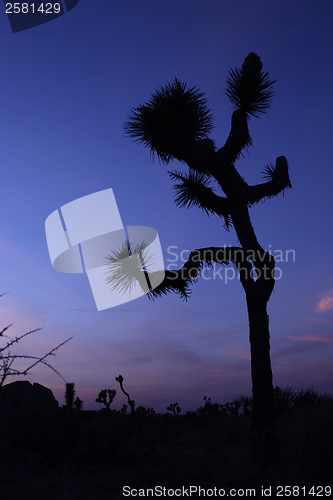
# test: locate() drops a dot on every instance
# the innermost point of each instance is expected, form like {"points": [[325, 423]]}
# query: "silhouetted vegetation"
{"points": [[174, 408], [78, 403], [7, 359], [106, 396], [175, 124], [131, 402], [69, 396], [97, 453]]}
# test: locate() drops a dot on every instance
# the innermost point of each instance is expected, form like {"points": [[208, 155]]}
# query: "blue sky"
{"points": [[67, 88]]}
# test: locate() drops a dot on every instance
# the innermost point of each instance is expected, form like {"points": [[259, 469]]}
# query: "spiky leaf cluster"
{"points": [[278, 174], [194, 190], [174, 115], [124, 271], [249, 88], [191, 189]]}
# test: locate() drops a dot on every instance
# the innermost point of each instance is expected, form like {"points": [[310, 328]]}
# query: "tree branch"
{"points": [[278, 181], [179, 281], [194, 190], [238, 139]]}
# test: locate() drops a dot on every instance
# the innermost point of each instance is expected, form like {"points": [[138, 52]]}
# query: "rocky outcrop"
{"points": [[24, 397]]}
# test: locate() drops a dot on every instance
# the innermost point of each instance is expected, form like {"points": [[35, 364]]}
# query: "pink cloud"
{"points": [[325, 303], [312, 338]]}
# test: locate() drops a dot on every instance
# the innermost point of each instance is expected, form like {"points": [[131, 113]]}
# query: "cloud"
{"points": [[325, 303], [312, 338]]}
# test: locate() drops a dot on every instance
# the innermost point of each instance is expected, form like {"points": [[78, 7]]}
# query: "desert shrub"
{"points": [[284, 400], [308, 398]]}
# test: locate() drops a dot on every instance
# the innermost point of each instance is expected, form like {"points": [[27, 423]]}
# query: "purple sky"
{"points": [[66, 90]]}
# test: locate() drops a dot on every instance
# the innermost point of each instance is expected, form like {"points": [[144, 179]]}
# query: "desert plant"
{"points": [[283, 399], [69, 396], [233, 407], [308, 398], [247, 404], [78, 403], [131, 403], [106, 396], [174, 124], [123, 409], [174, 408], [145, 411], [7, 359], [211, 409]]}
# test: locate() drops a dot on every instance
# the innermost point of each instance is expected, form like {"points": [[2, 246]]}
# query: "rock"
{"points": [[22, 397]]}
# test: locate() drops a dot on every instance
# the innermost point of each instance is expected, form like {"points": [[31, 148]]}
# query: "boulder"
{"points": [[22, 397]]}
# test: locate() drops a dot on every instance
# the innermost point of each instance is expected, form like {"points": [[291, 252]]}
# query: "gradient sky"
{"points": [[67, 88]]}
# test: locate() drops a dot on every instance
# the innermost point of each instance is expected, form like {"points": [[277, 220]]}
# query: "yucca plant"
{"points": [[308, 398], [284, 400], [175, 124], [235, 406], [247, 405]]}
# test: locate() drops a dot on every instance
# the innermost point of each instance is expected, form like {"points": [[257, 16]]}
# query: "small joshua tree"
{"points": [[174, 408], [131, 403], [103, 397]]}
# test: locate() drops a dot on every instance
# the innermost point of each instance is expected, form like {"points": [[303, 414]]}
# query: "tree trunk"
{"points": [[265, 444]]}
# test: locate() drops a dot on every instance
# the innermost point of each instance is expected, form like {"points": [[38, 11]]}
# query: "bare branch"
{"points": [[17, 339], [7, 359]]}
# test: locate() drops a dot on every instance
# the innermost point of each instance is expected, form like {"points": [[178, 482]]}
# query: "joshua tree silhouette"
{"points": [[174, 408], [103, 397], [174, 124], [131, 402]]}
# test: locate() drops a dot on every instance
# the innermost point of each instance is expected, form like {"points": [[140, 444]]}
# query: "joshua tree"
{"points": [[131, 403], [174, 408], [175, 124], [103, 397]]}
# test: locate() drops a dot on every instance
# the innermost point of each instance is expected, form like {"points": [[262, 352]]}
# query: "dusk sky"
{"points": [[67, 87]]}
